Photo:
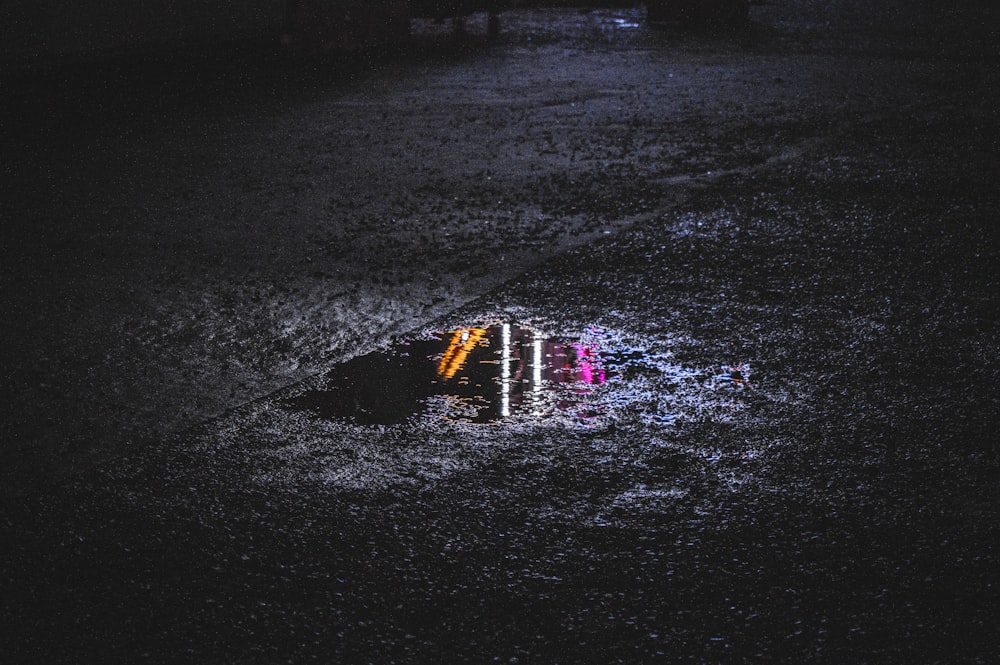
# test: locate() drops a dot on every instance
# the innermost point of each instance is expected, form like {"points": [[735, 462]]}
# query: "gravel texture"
{"points": [[784, 237]]}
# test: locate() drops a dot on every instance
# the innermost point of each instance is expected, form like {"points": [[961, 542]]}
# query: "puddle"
{"points": [[625, 23], [478, 375]]}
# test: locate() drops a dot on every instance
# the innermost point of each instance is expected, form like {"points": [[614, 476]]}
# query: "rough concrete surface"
{"points": [[782, 237]]}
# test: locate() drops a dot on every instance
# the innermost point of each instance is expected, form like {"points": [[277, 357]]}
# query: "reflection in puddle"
{"points": [[478, 375], [625, 23]]}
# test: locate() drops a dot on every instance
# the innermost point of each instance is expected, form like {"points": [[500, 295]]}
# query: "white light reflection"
{"points": [[536, 387], [505, 373]]}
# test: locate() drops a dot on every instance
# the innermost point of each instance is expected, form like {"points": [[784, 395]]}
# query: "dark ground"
{"points": [[813, 198]]}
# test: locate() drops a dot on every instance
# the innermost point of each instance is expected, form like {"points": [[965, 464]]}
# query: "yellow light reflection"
{"points": [[461, 344]]}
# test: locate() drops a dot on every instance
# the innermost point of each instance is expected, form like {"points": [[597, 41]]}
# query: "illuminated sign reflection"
{"points": [[477, 375]]}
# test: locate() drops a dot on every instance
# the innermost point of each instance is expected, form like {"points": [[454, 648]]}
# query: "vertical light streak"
{"points": [[505, 373], [537, 374]]}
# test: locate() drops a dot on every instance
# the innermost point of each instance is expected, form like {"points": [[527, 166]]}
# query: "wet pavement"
{"points": [[691, 359]]}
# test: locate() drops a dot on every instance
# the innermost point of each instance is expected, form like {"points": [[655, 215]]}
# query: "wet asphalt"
{"points": [[779, 243]]}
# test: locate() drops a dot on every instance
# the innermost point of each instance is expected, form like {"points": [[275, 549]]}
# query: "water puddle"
{"points": [[625, 23], [479, 375]]}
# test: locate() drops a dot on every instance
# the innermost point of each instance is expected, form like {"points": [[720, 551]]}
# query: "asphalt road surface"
{"points": [[594, 343]]}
